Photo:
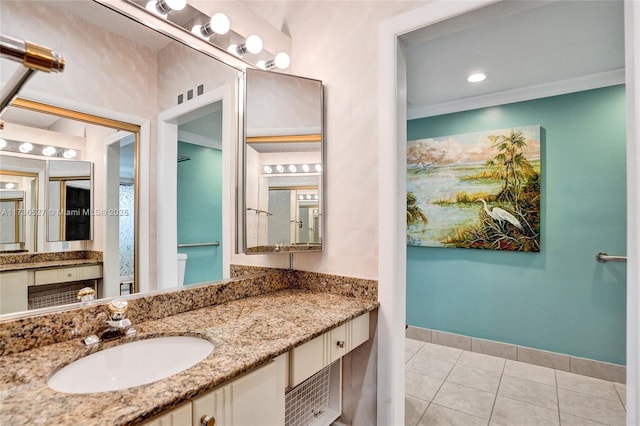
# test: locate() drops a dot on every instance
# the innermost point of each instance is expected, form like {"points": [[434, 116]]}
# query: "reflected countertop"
{"points": [[49, 264], [246, 333]]}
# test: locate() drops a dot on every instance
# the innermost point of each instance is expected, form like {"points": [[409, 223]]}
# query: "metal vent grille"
{"points": [[309, 400]]}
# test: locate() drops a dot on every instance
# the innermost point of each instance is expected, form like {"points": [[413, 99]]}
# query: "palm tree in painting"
{"points": [[512, 168], [414, 212]]}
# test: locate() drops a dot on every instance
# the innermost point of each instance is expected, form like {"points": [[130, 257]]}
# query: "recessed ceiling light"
{"points": [[477, 77]]}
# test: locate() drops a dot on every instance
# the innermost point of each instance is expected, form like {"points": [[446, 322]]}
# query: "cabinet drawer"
{"points": [[359, 331], [47, 276], [89, 272], [337, 342]]}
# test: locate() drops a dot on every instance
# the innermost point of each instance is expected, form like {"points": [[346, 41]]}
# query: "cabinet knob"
{"points": [[208, 420], [340, 343]]}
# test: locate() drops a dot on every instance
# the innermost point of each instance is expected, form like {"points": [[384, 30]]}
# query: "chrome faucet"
{"points": [[116, 326]]}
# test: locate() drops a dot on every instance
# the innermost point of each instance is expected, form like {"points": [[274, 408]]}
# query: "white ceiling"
{"points": [[573, 45]]}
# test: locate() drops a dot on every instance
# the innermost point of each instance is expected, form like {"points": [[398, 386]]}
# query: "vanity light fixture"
{"points": [[253, 44], [281, 61], [267, 169], [3, 143], [9, 185], [318, 167], [163, 7], [279, 168], [477, 77], [305, 168], [69, 153], [300, 197], [315, 196], [48, 151], [25, 148], [218, 24], [293, 168]]}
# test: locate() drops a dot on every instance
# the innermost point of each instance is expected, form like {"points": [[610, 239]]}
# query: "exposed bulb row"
{"points": [[307, 197], [47, 151], [292, 168], [220, 24]]}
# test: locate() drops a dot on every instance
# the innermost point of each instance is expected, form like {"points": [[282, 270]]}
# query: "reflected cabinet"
{"points": [[283, 154]]}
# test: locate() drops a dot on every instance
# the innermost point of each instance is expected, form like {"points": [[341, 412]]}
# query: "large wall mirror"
{"points": [[118, 69], [283, 161]]}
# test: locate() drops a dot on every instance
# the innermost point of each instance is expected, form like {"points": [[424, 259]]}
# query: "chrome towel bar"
{"points": [[213, 244], [604, 257]]}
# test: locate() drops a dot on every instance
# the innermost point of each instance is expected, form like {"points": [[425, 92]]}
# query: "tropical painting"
{"points": [[475, 190]]}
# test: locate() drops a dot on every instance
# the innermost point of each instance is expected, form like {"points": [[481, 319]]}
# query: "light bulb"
{"points": [[233, 49], [300, 197], [219, 23], [261, 64], [282, 61], [70, 153], [25, 147], [176, 4], [305, 168], [267, 169], [279, 168], [3, 143], [293, 168], [152, 7], [308, 196], [10, 185], [315, 196], [48, 151], [254, 44], [318, 167]]}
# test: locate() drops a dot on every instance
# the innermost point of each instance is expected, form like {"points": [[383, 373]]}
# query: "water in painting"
{"points": [[475, 190]]}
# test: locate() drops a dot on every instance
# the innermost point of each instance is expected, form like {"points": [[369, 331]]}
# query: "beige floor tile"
{"points": [[475, 378], [586, 385], [569, 420], [601, 410], [411, 347], [622, 392], [438, 415], [468, 400], [482, 361], [432, 367], [414, 408], [531, 372], [511, 412], [421, 386], [529, 392], [431, 350]]}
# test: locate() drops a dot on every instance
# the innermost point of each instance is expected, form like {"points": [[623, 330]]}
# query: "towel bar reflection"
{"points": [[604, 257], [213, 244]]}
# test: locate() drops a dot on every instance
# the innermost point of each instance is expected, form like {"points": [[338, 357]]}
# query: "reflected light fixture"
{"points": [[318, 167], [305, 168], [3, 143], [292, 168], [25, 147], [267, 169], [300, 197], [477, 77], [70, 153], [9, 185], [279, 168], [253, 44], [218, 24], [48, 151], [163, 7]]}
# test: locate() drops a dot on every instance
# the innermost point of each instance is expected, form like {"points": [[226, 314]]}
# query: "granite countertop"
{"points": [[246, 333], [49, 264]]}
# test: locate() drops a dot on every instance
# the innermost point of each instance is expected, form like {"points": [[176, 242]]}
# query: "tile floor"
{"points": [[448, 386]]}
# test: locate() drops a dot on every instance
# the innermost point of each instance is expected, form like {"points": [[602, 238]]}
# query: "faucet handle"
{"points": [[118, 308], [86, 294]]}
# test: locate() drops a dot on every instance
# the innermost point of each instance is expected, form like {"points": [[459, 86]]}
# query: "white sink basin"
{"points": [[131, 364]]}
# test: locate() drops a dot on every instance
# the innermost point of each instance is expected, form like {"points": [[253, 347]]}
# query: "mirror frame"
{"points": [[242, 182], [35, 208]]}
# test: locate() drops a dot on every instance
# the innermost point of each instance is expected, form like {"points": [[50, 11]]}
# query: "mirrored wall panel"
{"points": [[283, 158], [69, 205]]}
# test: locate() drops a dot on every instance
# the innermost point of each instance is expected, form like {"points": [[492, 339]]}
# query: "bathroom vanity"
{"points": [[265, 346]]}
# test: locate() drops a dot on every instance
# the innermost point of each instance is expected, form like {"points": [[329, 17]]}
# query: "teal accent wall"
{"points": [[200, 211], [560, 299]]}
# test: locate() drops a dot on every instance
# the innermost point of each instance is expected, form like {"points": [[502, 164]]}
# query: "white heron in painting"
{"points": [[501, 215]]}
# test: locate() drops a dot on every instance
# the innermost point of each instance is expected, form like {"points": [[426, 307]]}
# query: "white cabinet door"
{"points": [[216, 404], [358, 331], [13, 291], [179, 416]]}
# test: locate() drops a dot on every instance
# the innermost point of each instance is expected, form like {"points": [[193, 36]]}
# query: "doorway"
{"points": [[392, 242]]}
